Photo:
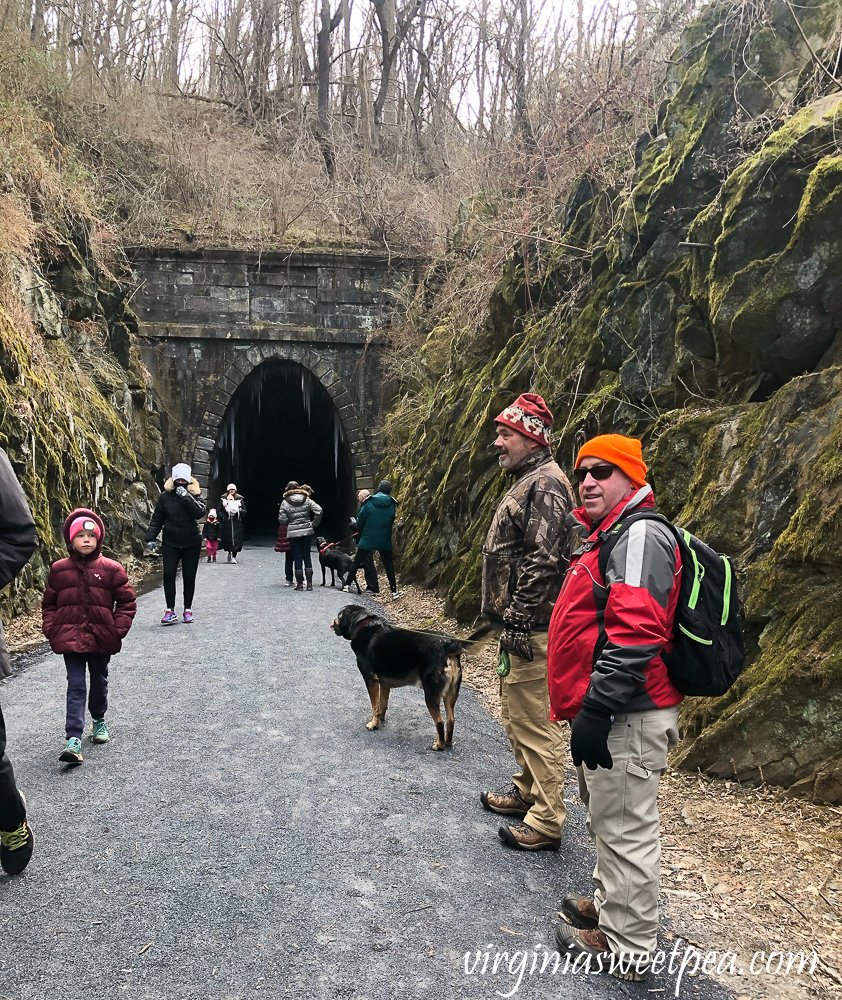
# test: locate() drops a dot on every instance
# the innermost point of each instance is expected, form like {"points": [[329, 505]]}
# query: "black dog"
{"points": [[395, 657], [332, 558]]}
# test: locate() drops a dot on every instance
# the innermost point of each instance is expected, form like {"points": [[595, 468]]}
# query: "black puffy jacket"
{"points": [[178, 515]]}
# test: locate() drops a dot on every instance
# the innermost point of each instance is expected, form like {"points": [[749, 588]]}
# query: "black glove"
{"points": [[515, 636], [589, 739], [181, 491]]}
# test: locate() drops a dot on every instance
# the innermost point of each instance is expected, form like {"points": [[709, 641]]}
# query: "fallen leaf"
{"points": [[506, 930]]}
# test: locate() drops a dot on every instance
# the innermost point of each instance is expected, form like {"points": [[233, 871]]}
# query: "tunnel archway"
{"points": [[282, 424]]}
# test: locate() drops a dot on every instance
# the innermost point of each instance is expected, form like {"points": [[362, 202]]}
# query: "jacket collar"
{"points": [[533, 460], [639, 500]]}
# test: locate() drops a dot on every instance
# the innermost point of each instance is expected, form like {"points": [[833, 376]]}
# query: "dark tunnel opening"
{"points": [[281, 424]]}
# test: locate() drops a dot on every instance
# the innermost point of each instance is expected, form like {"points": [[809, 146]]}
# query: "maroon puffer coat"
{"points": [[282, 544], [88, 605]]}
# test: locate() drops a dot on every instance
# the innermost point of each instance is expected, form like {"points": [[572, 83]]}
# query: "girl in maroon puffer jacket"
{"points": [[87, 610]]}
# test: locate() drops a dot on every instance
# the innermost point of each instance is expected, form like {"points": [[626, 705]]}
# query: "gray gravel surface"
{"points": [[247, 831]]}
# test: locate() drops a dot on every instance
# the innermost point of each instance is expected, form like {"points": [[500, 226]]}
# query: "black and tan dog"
{"points": [[391, 657], [332, 558]]}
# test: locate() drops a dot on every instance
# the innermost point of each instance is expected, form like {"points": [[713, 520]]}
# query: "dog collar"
{"points": [[365, 621], [327, 545]]}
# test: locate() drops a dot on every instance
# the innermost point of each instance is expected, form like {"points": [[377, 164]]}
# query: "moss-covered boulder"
{"points": [[708, 324]]}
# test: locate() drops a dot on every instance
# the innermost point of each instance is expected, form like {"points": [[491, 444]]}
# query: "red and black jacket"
{"points": [[607, 635]]}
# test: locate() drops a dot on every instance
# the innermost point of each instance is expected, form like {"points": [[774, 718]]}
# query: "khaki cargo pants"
{"points": [[535, 739], [623, 819]]}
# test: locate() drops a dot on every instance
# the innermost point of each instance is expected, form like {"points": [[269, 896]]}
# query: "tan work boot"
{"points": [[506, 803], [525, 838]]}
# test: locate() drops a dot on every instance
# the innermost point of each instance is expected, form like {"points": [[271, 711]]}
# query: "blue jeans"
{"points": [[78, 665], [301, 551]]}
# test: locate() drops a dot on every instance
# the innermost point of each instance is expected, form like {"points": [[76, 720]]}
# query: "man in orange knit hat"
{"points": [[524, 560], [614, 619]]}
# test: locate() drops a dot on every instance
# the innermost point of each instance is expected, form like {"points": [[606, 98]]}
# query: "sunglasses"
{"points": [[598, 472]]}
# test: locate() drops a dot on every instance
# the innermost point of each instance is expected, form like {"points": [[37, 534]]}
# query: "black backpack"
{"points": [[709, 654]]}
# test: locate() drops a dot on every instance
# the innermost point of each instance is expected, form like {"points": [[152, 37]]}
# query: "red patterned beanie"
{"points": [[528, 415]]}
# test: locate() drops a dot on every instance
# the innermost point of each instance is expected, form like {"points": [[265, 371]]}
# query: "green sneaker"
{"points": [[72, 753], [100, 731]]}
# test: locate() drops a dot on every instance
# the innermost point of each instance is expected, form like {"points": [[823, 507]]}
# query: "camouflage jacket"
{"points": [[527, 549]]}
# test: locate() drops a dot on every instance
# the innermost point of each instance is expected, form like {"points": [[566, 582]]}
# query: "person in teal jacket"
{"points": [[374, 525]]}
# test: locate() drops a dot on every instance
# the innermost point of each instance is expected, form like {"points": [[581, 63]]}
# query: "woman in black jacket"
{"points": [[179, 507]]}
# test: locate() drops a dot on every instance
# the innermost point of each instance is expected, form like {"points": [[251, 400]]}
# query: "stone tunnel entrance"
{"points": [[281, 424]]}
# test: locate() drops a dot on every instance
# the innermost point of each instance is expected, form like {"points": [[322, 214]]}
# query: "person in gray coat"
{"points": [[17, 543], [302, 515]]}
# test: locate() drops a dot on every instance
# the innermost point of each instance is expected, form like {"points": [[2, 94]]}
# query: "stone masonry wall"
{"points": [[208, 318]]}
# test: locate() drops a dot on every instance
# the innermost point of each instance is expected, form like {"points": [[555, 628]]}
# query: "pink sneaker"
{"points": [[187, 616], [170, 618]]}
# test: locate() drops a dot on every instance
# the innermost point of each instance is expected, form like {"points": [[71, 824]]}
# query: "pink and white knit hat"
{"points": [[83, 524]]}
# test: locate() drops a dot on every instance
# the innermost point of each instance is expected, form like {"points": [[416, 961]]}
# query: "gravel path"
{"points": [[243, 834]]}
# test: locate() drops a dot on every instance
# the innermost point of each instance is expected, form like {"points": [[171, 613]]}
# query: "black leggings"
{"points": [[365, 559], [189, 559], [12, 812]]}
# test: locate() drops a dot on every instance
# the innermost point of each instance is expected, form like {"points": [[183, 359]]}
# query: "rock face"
{"points": [[710, 327], [74, 413]]}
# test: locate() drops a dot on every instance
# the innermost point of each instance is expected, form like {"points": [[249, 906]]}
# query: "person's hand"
{"points": [[589, 739], [181, 491], [150, 546], [516, 643], [515, 636]]}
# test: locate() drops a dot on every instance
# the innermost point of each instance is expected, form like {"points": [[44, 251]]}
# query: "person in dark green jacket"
{"points": [[374, 524]]}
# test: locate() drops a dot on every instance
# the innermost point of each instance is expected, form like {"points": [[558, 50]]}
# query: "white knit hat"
{"points": [[182, 471]]}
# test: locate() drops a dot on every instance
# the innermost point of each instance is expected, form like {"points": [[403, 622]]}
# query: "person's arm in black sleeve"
{"points": [[18, 536], [156, 523], [196, 505]]}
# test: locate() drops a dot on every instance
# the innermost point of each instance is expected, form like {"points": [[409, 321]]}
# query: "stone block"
{"points": [[217, 408]]}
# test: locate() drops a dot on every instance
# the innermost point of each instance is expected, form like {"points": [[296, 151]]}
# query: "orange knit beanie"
{"points": [[624, 452]]}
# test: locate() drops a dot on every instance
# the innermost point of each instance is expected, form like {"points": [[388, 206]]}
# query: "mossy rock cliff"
{"points": [[710, 327], [74, 413]]}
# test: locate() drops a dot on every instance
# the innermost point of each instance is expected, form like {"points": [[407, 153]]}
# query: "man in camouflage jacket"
{"points": [[525, 557]]}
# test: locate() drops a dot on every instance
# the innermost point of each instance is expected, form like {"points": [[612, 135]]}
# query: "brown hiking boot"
{"points": [[506, 803], [575, 942], [579, 911], [525, 838]]}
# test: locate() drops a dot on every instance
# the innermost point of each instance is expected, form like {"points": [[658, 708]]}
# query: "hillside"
{"points": [[698, 307]]}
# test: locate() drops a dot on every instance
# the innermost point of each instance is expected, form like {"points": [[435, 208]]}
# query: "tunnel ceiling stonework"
{"points": [[209, 318]]}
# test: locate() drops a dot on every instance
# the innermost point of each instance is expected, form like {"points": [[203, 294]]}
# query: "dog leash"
{"points": [[331, 545], [470, 641]]}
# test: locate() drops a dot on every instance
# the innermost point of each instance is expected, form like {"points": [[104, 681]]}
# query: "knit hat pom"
{"points": [[528, 415], [624, 452]]}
